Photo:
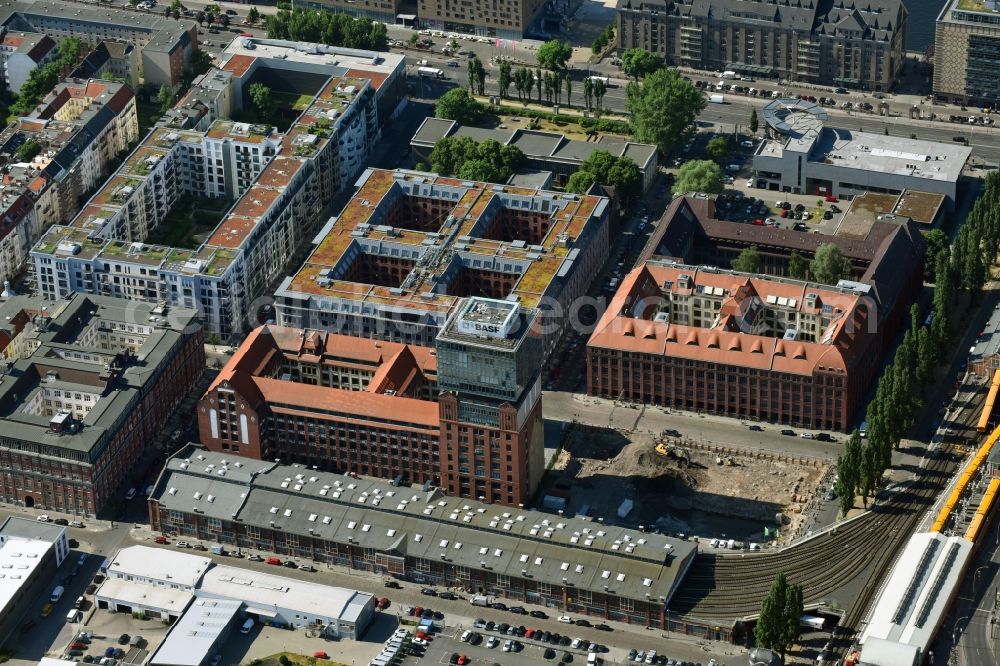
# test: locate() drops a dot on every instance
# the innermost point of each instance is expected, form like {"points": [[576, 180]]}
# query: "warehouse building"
{"points": [[205, 602], [30, 555], [420, 534], [802, 156]]}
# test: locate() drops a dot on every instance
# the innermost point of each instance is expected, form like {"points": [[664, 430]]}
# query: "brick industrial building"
{"points": [[850, 43], [767, 348], [573, 564], [465, 416], [88, 383], [409, 246]]}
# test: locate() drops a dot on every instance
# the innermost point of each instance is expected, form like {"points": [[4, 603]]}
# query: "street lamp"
{"points": [[957, 631]]}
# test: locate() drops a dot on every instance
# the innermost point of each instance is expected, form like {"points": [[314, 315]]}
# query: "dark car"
{"points": [[428, 591], [288, 564], [756, 428], [543, 636], [61, 521], [541, 615], [119, 653], [453, 659], [73, 543], [427, 614], [582, 623], [790, 433], [824, 437], [438, 615], [490, 624], [521, 631], [603, 627], [518, 610], [75, 653], [567, 657], [450, 596], [475, 639], [27, 626], [502, 627], [565, 640], [393, 584], [549, 653], [110, 652], [496, 605], [124, 639]]}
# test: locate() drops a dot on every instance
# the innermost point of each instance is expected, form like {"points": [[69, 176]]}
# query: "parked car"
{"points": [[255, 558], [274, 560], [430, 592]]}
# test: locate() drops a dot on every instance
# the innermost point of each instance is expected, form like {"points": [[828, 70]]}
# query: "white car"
{"points": [[565, 619], [713, 543], [130, 494], [492, 642], [421, 641], [577, 643], [43, 519], [508, 645], [806, 435], [749, 182], [182, 544], [754, 546], [465, 635]]}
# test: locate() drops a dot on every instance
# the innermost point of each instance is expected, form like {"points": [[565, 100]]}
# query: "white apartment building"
{"points": [[283, 184], [21, 53]]}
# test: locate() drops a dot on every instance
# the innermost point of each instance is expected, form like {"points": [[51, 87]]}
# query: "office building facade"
{"points": [[967, 53], [853, 43]]}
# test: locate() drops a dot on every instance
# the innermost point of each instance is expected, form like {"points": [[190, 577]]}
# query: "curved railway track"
{"points": [[723, 588]]}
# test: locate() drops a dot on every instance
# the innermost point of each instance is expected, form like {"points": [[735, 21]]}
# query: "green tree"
{"points": [[27, 150], [505, 78], [798, 267], [213, 10], [753, 121], [779, 624], [698, 176], [165, 98], [663, 107], [603, 39], [450, 156], [479, 169], [253, 15], [748, 261], [849, 472], [260, 97], [569, 91], [829, 265], [600, 88], [588, 92], [335, 29], [580, 182], [200, 17], [538, 84], [937, 241], [554, 54], [871, 470], [201, 62], [458, 105], [718, 148], [638, 63]]}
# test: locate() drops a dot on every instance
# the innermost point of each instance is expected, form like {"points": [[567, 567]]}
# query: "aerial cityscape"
{"points": [[565, 331]]}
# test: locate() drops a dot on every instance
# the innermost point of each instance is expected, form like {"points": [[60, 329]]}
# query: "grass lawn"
{"points": [[294, 659], [291, 101], [189, 222]]}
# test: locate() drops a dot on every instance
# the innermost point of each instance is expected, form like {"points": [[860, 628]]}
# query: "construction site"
{"points": [[681, 486]]}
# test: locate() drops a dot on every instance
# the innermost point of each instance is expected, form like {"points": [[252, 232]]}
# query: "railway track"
{"points": [[724, 588]]}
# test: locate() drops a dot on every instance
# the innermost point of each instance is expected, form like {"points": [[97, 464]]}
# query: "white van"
{"points": [[247, 626], [73, 616], [57, 593]]}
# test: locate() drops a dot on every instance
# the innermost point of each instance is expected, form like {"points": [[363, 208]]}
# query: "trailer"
{"points": [[717, 99], [432, 72]]}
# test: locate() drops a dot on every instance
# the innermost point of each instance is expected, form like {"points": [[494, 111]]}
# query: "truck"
{"points": [[479, 600], [729, 74], [432, 72], [218, 550], [57, 593], [625, 508], [717, 99]]}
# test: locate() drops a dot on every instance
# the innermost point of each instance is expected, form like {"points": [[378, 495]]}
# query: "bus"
{"points": [[603, 79]]}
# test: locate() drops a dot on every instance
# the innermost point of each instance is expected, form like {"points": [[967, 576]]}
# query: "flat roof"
{"points": [[194, 635], [19, 557], [160, 564], [268, 592], [987, 345], [158, 597], [426, 524], [917, 594]]}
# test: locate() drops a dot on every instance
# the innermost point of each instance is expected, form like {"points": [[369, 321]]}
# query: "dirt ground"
{"points": [[688, 493]]}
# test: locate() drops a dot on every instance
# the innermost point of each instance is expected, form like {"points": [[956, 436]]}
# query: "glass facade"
{"points": [[981, 71]]}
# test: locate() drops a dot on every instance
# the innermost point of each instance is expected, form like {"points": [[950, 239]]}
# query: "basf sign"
{"points": [[487, 318]]}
